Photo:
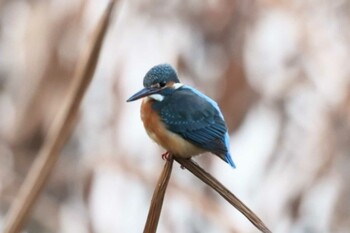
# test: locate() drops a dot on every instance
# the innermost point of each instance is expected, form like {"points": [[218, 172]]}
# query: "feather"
{"points": [[195, 119]]}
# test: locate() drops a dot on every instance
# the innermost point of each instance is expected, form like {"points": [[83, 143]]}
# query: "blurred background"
{"points": [[279, 70]]}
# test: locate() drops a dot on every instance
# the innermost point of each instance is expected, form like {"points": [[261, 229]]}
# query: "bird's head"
{"points": [[159, 81]]}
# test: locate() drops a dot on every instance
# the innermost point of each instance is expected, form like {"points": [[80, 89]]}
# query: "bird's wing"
{"points": [[196, 119]]}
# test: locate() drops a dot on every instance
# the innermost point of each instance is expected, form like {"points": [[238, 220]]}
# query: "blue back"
{"points": [[197, 118], [216, 106]]}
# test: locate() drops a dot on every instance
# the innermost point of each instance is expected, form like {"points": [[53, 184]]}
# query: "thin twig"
{"points": [[158, 197], [59, 131], [223, 191]]}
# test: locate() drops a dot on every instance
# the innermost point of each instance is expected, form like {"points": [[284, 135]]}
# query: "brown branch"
{"points": [[157, 198], [59, 131], [223, 191]]}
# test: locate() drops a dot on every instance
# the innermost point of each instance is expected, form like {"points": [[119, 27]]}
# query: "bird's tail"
{"points": [[229, 160]]}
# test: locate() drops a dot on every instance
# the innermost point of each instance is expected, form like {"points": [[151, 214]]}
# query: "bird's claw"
{"points": [[166, 156]]}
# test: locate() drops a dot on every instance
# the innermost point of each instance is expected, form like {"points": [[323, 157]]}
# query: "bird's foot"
{"points": [[166, 156]]}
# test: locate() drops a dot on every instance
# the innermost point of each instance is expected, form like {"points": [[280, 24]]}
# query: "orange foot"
{"points": [[166, 155]]}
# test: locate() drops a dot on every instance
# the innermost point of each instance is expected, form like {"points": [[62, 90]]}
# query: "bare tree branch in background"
{"points": [[59, 131]]}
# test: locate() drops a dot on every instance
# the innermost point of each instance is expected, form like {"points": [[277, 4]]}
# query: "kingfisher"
{"points": [[181, 119]]}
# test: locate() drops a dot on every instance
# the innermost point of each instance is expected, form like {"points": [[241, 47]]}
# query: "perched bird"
{"points": [[181, 119]]}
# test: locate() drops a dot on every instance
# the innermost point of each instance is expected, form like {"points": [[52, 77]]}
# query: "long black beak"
{"points": [[144, 92]]}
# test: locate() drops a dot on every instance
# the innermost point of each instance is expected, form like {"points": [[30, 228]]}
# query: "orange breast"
{"points": [[156, 129]]}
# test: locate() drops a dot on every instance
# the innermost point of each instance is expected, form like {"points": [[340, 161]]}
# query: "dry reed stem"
{"points": [[224, 192], [59, 131], [158, 198]]}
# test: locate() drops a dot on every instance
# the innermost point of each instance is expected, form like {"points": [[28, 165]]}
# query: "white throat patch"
{"points": [[157, 97], [177, 85]]}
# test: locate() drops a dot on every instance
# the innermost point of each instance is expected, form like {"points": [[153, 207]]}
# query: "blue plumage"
{"points": [[186, 112], [216, 106], [197, 118], [228, 154]]}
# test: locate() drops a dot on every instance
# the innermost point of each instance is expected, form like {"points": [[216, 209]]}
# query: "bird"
{"points": [[181, 119]]}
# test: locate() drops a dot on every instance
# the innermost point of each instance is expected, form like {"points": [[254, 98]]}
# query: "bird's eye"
{"points": [[162, 83]]}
